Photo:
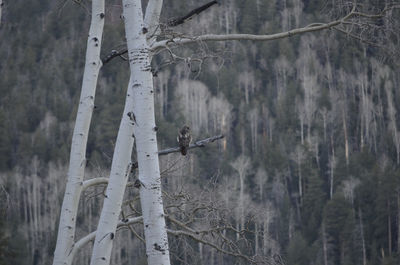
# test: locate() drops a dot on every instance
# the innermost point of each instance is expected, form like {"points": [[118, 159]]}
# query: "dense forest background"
{"points": [[311, 129]]}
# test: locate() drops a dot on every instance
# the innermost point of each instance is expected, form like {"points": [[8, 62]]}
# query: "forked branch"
{"points": [[268, 37], [170, 23], [90, 237]]}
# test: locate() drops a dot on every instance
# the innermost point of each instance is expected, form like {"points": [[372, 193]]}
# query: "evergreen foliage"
{"points": [[267, 98]]}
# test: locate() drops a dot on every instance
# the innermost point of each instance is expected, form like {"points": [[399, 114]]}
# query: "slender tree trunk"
{"points": [[332, 175], [265, 237], [66, 229], [256, 238], [392, 117], [266, 245], [364, 251], [157, 249], [317, 154], [201, 253], [242, 140], [302, 131], [389, 229], [397, 148], [138, 117], [300, 182], [346, 139], [120, 170], [324, 122], [241, 201]]}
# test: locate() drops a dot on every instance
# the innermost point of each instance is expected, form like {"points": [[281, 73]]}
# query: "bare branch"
{"points": [[181, 20], [309, 28], [225, 37], [218, 248], [349, 34], [152, 14], [94, 181], [200, 143], [90, 237], [114, 54]]}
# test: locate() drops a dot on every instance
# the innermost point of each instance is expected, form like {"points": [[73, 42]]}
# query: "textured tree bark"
{"points": [[157, 249], [153, 11], [89, 237], [138, 118], [66, 230], [120, 169]]}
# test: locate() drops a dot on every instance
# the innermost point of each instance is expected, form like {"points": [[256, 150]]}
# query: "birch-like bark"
{"points": [[157, 249], [66, 229], [89, 237], [151, 19], [120, 169], [138, 117]]}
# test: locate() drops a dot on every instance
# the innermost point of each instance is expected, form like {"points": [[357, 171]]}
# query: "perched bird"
{"points": [[184, 139]]}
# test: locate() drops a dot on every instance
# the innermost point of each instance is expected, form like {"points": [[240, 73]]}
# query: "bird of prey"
{"points": [[184, 138]]}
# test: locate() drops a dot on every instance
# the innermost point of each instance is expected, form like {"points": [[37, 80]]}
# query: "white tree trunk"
{"points": [[66, 230], [157, 249], [138, 117], [151, 19], [120, 169]]}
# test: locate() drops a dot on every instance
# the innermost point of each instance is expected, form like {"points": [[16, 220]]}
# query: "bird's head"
{"points": [[185, 129]]}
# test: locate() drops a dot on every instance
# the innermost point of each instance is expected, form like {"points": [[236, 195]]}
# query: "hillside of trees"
{"points": [[311, 155]]}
